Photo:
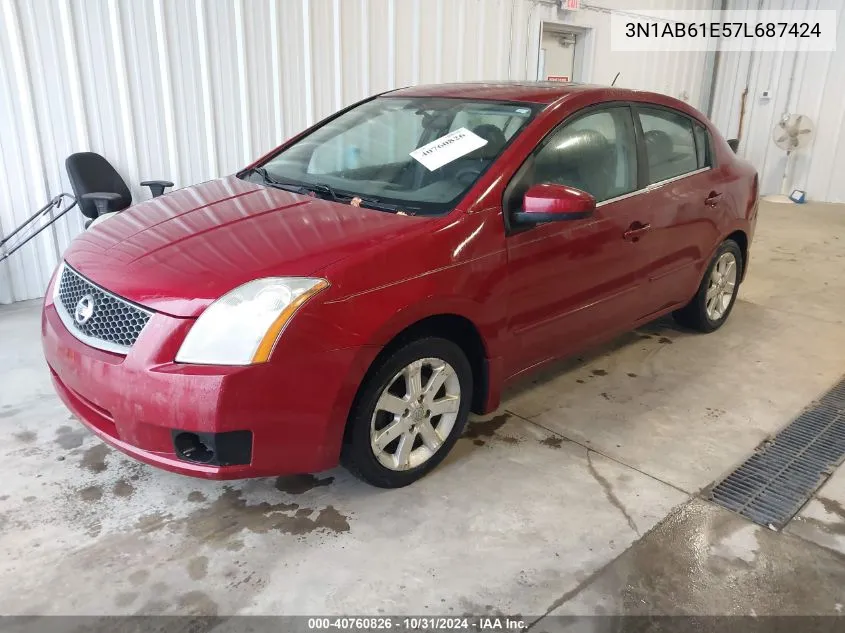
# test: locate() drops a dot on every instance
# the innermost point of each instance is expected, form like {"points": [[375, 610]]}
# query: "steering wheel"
{"points": [[467, 175]]}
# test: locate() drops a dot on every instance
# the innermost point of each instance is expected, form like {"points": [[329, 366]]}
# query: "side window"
{"points": [[669, 144], [702, 145], [595, 153]]}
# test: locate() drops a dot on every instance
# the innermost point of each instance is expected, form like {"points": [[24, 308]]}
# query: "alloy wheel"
{"points": [[721, 287], [415, 414]]}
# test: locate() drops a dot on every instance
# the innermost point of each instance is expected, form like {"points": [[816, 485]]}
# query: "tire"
{"points": [[388, 384], [696, 314]]}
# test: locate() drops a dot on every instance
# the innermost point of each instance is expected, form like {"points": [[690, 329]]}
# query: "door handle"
{"points": [[713, 199], [636, 231]]}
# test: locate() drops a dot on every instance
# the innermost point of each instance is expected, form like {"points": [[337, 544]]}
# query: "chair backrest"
{"points": [[495, 138], [91, 173]]}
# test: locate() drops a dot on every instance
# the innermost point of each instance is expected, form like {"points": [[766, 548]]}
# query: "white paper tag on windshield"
{"points": [[448, 148]]}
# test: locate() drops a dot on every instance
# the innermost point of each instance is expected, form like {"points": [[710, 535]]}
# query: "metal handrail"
{"points": [[53, 204]]}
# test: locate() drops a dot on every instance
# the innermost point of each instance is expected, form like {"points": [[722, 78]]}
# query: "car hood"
{"points": [[179, 252]]}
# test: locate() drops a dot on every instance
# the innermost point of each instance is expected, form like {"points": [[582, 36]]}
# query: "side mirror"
{"points": [[554, 203]]}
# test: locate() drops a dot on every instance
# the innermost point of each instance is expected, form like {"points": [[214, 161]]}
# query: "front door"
{"points": [[575, 281]]}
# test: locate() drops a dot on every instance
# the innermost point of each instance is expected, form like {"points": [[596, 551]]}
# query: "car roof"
{"points": [[541, 92], [527, 91]]}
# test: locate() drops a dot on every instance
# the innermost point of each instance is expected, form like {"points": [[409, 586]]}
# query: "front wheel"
{"points": [[409, 413], [716, 295]]}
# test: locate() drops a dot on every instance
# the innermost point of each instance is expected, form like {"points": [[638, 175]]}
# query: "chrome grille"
{"points": [[114, 324]]}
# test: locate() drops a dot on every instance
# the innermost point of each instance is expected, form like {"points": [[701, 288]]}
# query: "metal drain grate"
{"points": [[835, 397], [775, 482]]}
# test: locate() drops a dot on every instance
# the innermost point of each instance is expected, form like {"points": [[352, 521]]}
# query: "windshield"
{"points": [[418, 156]]}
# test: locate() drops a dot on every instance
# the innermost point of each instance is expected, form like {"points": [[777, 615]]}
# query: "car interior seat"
{"points": [[659, 149], [466, 169], [98, 187], [495, 141], [582, 159]]}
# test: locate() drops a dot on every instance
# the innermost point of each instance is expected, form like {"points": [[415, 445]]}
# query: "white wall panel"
{"points": [[817, 91], [678, 74], [190, 90]]}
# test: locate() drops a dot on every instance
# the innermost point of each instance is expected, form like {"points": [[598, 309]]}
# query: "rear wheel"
{"points": [[410, 412], [712, 304]]}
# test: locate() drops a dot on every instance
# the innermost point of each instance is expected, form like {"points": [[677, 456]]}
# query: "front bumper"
{"points": [[295, 410]]}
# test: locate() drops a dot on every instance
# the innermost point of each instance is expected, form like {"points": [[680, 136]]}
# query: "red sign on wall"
{"points": [[570, 5], [563, 78]]}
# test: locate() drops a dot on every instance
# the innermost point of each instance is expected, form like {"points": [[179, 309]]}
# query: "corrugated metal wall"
{"points": [[190, 90], [809, 83]]}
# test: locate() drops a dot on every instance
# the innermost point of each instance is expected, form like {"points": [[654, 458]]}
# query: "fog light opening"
{"points": [[189, 447]]}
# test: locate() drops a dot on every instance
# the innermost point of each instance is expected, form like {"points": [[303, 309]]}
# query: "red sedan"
{"points": [[354, 294]]}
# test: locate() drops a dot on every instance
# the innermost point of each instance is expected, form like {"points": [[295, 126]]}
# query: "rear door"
{"points": [[574, 281], [683, 201]]}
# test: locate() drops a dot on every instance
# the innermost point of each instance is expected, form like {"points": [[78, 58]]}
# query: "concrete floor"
{"points": [[577, 497]]}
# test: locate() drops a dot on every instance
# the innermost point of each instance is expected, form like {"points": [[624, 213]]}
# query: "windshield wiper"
{"points": [[371, 202], [328, 190], [272, 182], [367, 201], [261, 171], [376, 203], [323, 188]]}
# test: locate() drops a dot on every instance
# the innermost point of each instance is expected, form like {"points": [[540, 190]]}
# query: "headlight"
{"points": [[242, 326]]}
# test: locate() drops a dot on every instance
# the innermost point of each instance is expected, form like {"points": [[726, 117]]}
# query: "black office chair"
{"points": [[99, 188]]}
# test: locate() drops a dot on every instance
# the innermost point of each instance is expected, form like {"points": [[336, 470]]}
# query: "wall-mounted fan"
{"points": [[791, 134]]}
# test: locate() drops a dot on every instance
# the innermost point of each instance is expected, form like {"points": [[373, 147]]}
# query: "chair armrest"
{"points": [[157, 187], [104, 201]]}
